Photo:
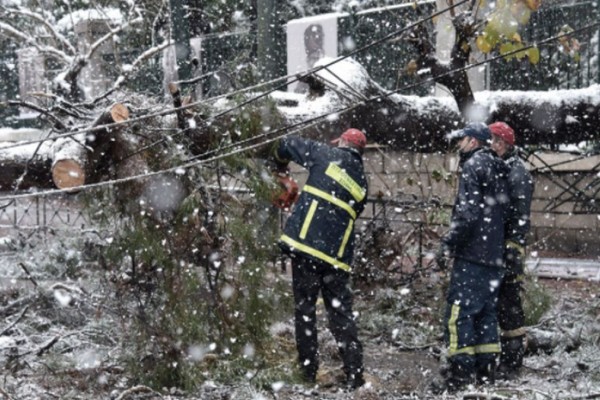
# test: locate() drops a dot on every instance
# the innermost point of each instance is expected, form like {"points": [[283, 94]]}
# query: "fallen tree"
{"points": [[399, 122], [75, 159]]}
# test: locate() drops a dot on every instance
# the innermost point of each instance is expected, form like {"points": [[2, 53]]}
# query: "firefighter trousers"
{"points": [[309, 278], [510, 305], [471, 323], [511, 316]]}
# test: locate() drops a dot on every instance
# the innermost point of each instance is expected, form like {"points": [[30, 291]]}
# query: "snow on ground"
{"points": [[60, 338]]}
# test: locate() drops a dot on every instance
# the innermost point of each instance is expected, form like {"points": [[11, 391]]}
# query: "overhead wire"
{"points": [[411, 86], [289, 79], [193, 160], [239, 148]]}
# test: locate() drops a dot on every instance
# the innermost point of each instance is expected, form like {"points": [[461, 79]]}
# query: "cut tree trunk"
{"points": [[69, 159], [75, 159]]}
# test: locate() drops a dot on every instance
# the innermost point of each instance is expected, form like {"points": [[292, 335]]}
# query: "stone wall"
{"points": [[565, 216]]}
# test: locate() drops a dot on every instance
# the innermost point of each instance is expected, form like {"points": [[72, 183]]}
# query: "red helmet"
{"points": [[503, 131], [354, 136]]}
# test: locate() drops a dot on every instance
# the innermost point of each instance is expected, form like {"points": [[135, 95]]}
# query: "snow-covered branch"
{"points": [[130, 69], [112, 33], [49, 26], [15, 33]]}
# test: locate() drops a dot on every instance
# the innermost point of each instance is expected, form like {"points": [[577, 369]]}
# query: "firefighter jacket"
{"points": [[322, 221], [520, 190], [477, 225]]}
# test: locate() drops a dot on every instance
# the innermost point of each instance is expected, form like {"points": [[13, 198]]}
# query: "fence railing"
{"points": [[43, 212]]}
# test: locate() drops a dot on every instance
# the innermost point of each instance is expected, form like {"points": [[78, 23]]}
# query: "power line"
{"points": [[289, 79], [298, 127], [194, 162], [299, 76], [410, 86]]}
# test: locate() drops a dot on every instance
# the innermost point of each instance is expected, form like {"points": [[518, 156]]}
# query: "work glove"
{"points": [[277, 167], [287, 193], [442, 256]]}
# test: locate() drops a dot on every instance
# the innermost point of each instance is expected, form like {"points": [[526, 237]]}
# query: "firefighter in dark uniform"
{"points": [[476, 242], [510, 306], [319, 239]]}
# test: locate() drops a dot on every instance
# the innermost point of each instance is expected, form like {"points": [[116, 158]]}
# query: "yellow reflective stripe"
{"points": [[327, 197], [340, 176], [515, 245], [487, 348], [346, 238], [315, 253], [464, 350], [514, 333], [452, 329], [308, 219]]}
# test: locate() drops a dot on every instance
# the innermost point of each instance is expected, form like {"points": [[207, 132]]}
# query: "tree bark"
{"points": [[421, 124], [76, 159], [24, 169]]}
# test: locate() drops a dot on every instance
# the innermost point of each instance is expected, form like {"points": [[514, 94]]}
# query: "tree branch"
{"points": [[19, 35], [57, 122], [49, 27]]}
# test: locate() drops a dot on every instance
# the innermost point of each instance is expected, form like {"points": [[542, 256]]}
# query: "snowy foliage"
{"points": [[110, 14]]}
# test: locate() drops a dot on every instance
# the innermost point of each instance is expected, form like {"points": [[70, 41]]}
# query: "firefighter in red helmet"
{"points": [[318, 237]]}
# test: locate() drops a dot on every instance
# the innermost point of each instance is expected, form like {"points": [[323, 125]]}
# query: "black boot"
{"points": [[511, 357], [486, 372], [309, 373], [355, 381], [458, 377]]}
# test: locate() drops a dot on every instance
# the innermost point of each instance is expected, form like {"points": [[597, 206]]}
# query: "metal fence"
{"points": [[57, 212]]}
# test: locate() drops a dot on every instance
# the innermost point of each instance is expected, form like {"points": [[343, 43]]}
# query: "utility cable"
{"points": [[410, 86], [289, 79], [176, 169], [193, 161]]}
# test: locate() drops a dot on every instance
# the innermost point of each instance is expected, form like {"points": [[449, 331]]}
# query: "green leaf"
{"points": [[534, 55]]}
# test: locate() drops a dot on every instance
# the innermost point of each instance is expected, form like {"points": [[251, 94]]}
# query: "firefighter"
{"points": [[511, 317], [476, 242], [318, 237]]}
